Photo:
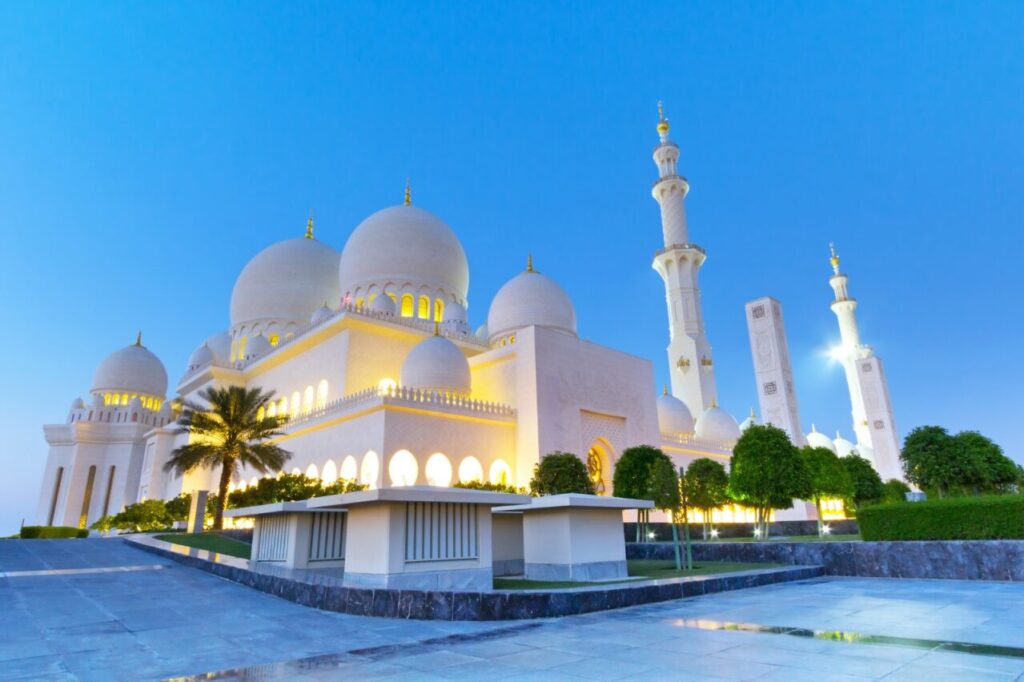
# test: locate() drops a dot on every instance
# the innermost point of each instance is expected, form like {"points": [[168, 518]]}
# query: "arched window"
{"points": [[56, 493], [110, 488], [349, 468], [296, 471], [407, 305], [254, 481], [369, 472], [438, 470], [500, 472], [439, 310], [260, 414], [296, 404], [272, 410], [312, 471], [274, 339], [321, 394], [83, 519], [470, 469], [330, 473], [242, 343], [424, 308], [403, 469], [282, 407], [307, 400]]}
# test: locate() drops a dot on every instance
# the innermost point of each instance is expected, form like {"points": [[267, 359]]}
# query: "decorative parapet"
{"points": [[719, 446], [403, 395]]}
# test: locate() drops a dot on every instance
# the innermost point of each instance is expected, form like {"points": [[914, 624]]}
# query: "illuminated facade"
{"points": [[381, 378]]}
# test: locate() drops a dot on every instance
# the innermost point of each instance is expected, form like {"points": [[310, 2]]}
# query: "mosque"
{"points": [[372, 360]]}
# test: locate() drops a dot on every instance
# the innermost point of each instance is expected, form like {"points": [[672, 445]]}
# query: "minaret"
{"points": [[689, 353], [873, 421]]}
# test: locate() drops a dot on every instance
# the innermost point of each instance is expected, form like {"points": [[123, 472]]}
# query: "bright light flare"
{"points": [[714, 533], [826, 529], [837, 353]]}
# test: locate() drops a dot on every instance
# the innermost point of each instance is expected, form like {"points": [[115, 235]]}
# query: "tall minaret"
{"points": [[689, 353], [873, 422]]}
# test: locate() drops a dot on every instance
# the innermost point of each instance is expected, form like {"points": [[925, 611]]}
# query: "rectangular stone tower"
{"points": [[772, 369]]}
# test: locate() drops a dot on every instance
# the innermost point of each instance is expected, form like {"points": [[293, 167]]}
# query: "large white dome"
{"points": [[404, 249], [133, 369], [285, 282], [529, 299], [436, 364], [674, 416], [843, 446], [718, 425]]}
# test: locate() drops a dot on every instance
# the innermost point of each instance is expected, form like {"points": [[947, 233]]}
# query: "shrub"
{"points": [[288, 488], [894, 490], [141, 516], [998, 517], [52, 532], [867, 484], [561, 472], [493, 487]]}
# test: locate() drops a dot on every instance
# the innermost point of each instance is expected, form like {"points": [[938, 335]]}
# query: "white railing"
{"points": [[448, 402], [698, 443]]}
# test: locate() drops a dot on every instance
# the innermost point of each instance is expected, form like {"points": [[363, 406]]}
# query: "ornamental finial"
{"points": [[664, 389], [529, 262], [408, 193], [834, 260], [662, 122], [309, 225], [138, 339]]}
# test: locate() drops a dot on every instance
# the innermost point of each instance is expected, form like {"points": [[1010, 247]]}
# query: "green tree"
{"points": [[664, 490], [706, 485], [288, 488], [867, 484], [766, 472], [998, 472], [560, 472], [933, 461], [826, 477], [894, 490], [233, 431], [632, 479], [179, 507]]}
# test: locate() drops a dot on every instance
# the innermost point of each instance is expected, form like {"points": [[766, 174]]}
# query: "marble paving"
{"points": [[181, 622]]}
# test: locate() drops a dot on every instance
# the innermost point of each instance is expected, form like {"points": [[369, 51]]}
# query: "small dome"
{"points": [[751, 420], [843, 447], [257, 346], [77, 404], [674, 416], [201, 357], [383, 305], [220, 345], [529, 299], [321, 314], [481, 333], [132, 369], [284, 283], [454, 312], [436, 364], [718, 425], [404, 244], [819, 440]]}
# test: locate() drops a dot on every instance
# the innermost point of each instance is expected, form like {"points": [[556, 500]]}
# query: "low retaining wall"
{"points": [[325, 593], [663, 531], [954, 559]]}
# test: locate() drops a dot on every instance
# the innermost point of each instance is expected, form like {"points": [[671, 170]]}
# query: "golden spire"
{"points": [[529, 262], [662, 121], [714, 402], [664, 389], [834, 260], [138, 339], [309, 225], [408, 194]]}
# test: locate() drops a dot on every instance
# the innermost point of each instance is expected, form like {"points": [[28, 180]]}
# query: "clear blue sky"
{"points": [[148, 150]]}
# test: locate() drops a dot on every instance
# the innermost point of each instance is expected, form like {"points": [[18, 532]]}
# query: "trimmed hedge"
{"points": [[52, 532], [994, 517]]}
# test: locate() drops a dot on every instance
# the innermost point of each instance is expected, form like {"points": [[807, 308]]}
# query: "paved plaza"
{"points": [[101, 610]]}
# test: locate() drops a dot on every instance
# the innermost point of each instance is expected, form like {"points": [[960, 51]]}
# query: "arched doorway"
{"points": [[599, 466]]}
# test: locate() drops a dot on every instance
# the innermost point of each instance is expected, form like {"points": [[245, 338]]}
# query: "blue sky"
{"points": [[148, 150]]}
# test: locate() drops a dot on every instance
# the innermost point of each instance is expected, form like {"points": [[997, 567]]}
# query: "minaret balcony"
{"points": [[680, 247], [669, 177]]}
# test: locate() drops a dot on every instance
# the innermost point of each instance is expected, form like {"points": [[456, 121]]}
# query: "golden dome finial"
{"points": [[138, 339], [309, 225], [834, 259], [408, 194], [714, 402], [662, 121], [529, 262]]}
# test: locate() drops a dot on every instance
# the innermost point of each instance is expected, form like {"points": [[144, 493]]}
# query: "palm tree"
{"points": [[233, 430]]}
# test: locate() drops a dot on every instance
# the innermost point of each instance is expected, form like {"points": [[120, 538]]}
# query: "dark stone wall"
{"points": [[507, 605], [954, 559], [663, 531], [240, 534]]}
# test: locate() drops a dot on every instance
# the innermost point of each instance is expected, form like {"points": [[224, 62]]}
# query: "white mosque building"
{"points": [[372, 359]]}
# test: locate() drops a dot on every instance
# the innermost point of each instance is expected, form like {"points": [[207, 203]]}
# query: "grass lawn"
{"points": [[213, 542], [639, 569]]}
